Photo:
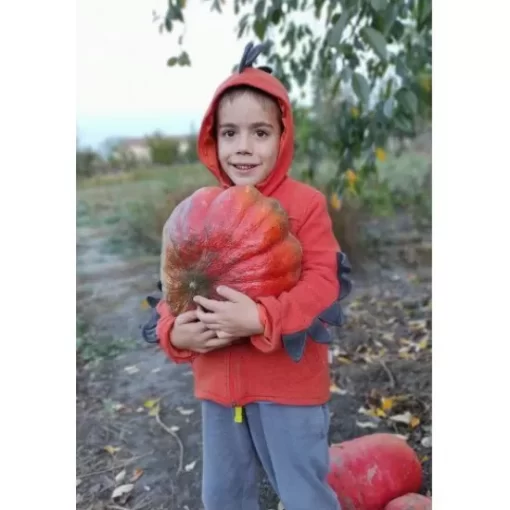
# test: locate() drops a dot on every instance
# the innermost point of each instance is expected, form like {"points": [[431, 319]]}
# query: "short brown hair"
{"points": [[266, 99]]}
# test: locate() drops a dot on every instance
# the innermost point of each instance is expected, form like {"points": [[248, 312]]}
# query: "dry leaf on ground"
{"points": [[189, 467], [185, 412], [122, 491], [120, 476]]}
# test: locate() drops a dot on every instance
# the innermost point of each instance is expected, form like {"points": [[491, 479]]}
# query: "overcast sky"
{"points": [[124, 85]]}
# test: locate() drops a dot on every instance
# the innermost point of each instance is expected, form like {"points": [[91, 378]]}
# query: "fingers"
{"points": [[184, 318], [229, 294], [223, 334], [208, 318], [206, 335], [209, 304], [216, 343]]}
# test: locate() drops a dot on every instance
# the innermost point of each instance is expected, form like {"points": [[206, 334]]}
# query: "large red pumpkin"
{"points": [[235, 237], [410, 502], [368, 472]]}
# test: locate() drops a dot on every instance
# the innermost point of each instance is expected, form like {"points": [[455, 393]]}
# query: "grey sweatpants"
{"points": [[291, 444]]}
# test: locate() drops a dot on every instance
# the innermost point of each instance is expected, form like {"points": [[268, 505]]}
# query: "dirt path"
{"points": [[124, 437]]}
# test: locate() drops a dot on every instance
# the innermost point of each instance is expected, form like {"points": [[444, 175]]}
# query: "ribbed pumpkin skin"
{"points": [[368, 472], [410, 502], [235, 237]]}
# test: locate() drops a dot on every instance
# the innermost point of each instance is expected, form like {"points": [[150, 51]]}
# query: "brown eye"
{"points": [[262, 134], [229, 133]]}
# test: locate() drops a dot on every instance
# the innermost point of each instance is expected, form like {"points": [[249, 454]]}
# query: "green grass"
{"points": [[134, 206]]}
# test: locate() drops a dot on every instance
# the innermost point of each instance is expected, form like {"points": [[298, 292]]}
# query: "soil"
{"points": [[125, 438]]}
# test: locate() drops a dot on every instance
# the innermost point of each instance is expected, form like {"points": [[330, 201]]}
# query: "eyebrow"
{"points": [[253, 126]]}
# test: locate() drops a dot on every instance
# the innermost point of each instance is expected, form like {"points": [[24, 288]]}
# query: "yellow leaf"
{"points": [[335, 389], [425, 458], [137, 473], [149, 404], [112, 450], [423, 343], [335, 201], [144, 305], [355, 112], [387, 403], [345, 361], [380, 154], [154, 411], [376, 413], [415, 421], [351, 176], [380, 413]]}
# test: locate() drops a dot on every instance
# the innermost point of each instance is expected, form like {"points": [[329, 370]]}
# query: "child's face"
{"points": [[248, 138]]}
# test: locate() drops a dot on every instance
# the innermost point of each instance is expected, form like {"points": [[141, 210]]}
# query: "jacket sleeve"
{"points": [[292, 313], [164, 331]]}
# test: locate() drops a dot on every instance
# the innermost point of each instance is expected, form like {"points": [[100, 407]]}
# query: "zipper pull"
{"points": [[238, 414]]}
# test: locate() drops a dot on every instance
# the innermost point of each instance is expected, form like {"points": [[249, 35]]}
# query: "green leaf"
{"points": [[404, 124], [361, 88], [376, 41], [379, 5], [335, 35], [259, 27], [172, 62], [424, 13], [276, 16], [408, 100], [184, 59], [259, 8]]}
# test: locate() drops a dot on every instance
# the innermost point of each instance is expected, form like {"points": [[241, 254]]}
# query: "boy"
{"points": [[261, 367]]}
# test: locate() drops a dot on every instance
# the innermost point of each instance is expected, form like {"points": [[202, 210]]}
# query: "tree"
{"points": [[381, 50]]}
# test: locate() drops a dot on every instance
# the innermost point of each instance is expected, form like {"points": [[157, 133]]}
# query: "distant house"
{"points": [[138, 148]]}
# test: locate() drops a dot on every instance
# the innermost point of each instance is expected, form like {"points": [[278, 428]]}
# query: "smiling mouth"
{"points": [[244, 168]]}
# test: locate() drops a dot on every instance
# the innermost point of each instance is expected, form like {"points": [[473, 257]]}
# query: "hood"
{"points": [[207, 140]]}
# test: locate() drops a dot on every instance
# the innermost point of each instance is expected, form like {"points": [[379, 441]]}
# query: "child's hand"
{"points": [[238, 316], [191, 334]]}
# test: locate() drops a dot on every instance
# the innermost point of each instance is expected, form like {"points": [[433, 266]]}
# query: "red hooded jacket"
{"points": [[284, 364]]}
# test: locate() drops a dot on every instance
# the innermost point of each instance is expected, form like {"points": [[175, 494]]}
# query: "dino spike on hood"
{"points": [[264, 81]]}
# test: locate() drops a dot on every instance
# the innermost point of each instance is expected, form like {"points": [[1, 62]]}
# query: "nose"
{"points": [[244, 145]]}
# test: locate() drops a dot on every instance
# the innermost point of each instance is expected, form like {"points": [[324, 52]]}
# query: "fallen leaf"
{"points": [[112, 450], [423, 343], [404, 418], [146, 488], [122, 491], [366, 425], [387, 403], [144, 305], [426, 442], [344, 360], [377, 412], [335, 389], [174, 428], [185, 412], [189, 467], [156, 370], [415, 421], [425, 458], [417, 325], [132, 369], [154, 411], [137, 473], [149, 404], [120, 477], [118, 407]]}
